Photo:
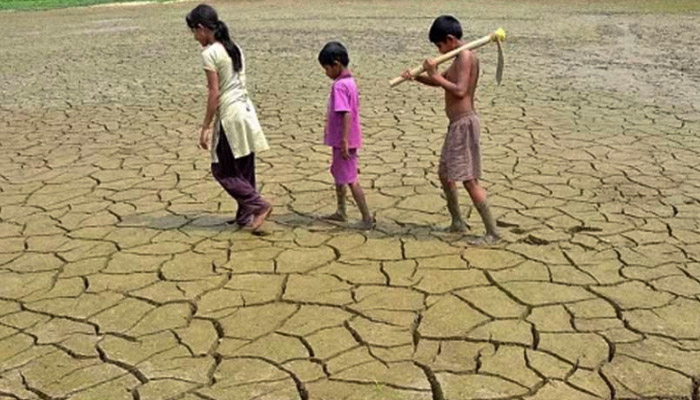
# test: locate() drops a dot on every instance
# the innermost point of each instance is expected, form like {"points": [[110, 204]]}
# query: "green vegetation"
{"points": [[624, 6], [613, 6], [671, 6], [47, 4]]}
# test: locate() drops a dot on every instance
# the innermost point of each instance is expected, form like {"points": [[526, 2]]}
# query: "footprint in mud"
{"points": [[535, 241], [577, 229]]}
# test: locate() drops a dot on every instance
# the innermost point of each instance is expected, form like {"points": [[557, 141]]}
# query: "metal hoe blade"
{"points": [[501, 61]]}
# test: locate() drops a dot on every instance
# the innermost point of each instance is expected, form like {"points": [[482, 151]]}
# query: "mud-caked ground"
{"points": [[121, 278]]}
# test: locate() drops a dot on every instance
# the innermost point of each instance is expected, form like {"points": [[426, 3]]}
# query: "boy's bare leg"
{"points": [[359, 196], [478, 196], [452, 197], [341, 213]]}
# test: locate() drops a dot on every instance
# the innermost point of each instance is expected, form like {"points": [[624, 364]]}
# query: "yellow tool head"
{"points": [[500, 35]]}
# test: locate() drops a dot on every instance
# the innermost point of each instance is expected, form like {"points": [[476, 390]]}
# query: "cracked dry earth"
{"points": [[120, 278]]}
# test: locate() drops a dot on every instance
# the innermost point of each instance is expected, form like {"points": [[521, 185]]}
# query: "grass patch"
{"points": [[618, 6], [48, 4], [671, 6]]}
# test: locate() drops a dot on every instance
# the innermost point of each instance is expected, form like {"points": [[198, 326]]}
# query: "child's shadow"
{"points": [[194, 220], [219, 222], [203, 221]]}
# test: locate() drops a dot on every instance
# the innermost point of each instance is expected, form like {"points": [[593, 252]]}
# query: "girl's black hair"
{"points": [[206, 16]]}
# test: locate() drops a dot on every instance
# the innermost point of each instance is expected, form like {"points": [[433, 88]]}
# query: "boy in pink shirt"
{"points": [[343, 132]]}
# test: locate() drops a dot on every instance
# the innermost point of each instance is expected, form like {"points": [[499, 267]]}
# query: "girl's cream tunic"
{"points": [[235, 112]]}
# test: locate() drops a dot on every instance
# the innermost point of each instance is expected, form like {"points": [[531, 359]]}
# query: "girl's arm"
{"points": [[212, 105]]}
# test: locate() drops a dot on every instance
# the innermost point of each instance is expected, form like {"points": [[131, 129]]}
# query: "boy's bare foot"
{"points": [[336, 216], [457, 226], [259, 219], [365, 224], [484, 240]]}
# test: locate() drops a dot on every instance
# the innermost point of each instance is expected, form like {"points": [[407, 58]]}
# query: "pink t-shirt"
{"points": [[343, 98]]}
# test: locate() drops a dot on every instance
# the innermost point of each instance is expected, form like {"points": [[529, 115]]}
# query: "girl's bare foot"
{"points": [[259, 219]]}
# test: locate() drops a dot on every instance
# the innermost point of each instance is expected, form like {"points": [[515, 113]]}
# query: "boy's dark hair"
{"points": [[332, 52], [206, 16], [442, 26]]}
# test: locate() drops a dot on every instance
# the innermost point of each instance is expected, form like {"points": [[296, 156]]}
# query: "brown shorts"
{"points": [[460, 159]]}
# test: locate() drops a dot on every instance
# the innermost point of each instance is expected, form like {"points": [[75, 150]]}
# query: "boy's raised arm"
{"points": [[424, 79], [461, 64]]}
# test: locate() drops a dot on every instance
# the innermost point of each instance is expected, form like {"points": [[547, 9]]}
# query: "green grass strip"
{"points": [[49, 4]]}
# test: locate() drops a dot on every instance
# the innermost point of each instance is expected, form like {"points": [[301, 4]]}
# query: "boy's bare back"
{"points": [[464, 72]]}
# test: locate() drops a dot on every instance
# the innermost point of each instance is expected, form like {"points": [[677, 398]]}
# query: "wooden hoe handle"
{"points": [[498, 36]]}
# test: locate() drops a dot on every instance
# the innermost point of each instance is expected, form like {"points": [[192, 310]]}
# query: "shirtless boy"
{"points": [[460, 159]]}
